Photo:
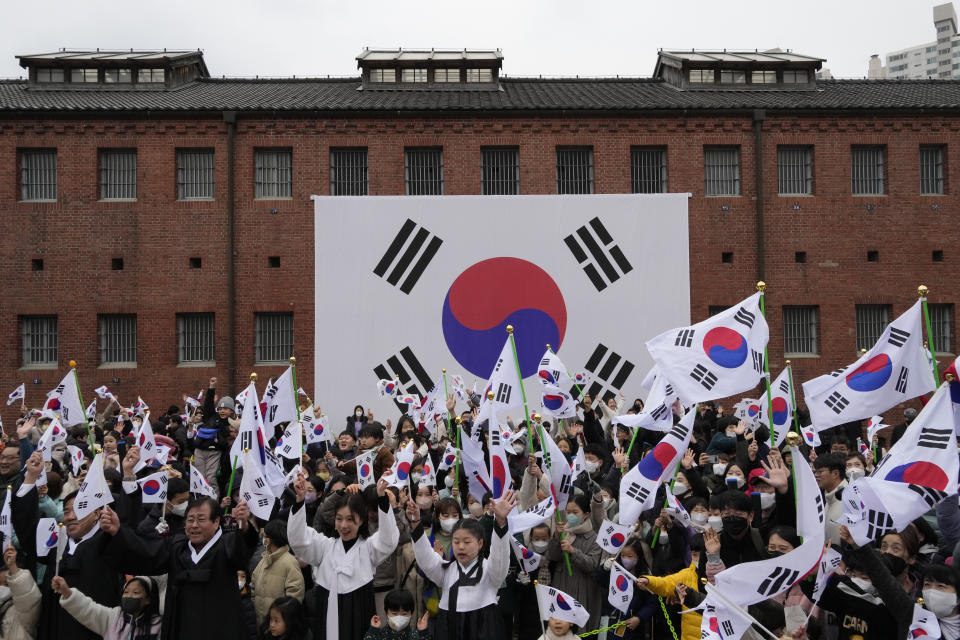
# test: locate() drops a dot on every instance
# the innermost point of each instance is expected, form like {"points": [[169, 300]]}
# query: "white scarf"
{"points": [[950, 627]]}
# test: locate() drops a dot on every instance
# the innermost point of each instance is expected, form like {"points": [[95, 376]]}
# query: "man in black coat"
{"points": [[202, 600]]}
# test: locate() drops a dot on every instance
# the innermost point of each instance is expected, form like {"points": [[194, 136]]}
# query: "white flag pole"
{"points": [[539, 608]]}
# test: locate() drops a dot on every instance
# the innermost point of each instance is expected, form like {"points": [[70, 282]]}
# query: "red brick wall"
{"points": [[78, 235]]}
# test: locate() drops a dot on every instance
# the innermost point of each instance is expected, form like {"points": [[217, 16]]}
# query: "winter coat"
{"points": [[109, 622], [584, 561], [386, 633], [665, 587], [20, 620], [277, 574]]}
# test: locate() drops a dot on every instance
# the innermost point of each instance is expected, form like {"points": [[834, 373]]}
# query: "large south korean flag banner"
{"points": [[407, 286]]}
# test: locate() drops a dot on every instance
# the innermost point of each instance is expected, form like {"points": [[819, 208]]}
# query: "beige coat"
{"points": [[277, 574], [20, 623]]}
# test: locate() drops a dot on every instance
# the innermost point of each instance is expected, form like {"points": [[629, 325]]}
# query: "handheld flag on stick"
{"points": [[65, 401], [520, 521], [153, 488], [365, 477], [620, 592], [612, 536], [20, 393], [280, 400], [254, 488], [94, 493], [48, 534], [528, 558], [199, 484], [290, 445], [554, 603]]}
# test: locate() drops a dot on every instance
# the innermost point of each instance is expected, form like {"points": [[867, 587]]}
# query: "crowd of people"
{"points": [[414, 560]]}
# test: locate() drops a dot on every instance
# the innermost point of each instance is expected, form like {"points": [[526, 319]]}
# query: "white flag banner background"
{"points": [[543, 264], [6, 524], [54, 435], [449, 458], [76, 458], [748, 410], [528, 558], [557, 604], [657, 414], [895, 370], [520, 521], [719, 357]]}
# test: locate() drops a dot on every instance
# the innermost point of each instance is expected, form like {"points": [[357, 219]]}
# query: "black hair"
{"points": [[840, 440], [942, 573], [471, 526], [276, 530], [736, 500], [216, 512], [359, 406], [176, 486], [398, 600], [768, 613], [113, 434], [347, 432], [788, 533], [693, 502], [859, 456], [486, 499], [357, 505], [697, 543], [70, 496], [582, 501], [404, 420], [542, 525], [447, 504], [596, 450], [926, 531], [143, 625], [636, 544], [831, 462], [371, 430], [293, 616], [54, 484]]}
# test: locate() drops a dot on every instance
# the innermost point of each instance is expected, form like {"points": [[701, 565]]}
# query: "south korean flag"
{"points": [[541, 264], [721, 356], [612, 536], [781, 398], [520, 521], [290, 445], [254, 488], [620, 592], [895, 370], [562, 606], [528, 558], [552, 371], [657, 414], [924, 624]]}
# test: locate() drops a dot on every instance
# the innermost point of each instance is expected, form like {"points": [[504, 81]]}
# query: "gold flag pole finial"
{"points": [[793, 439], [293, 360], [922, 291], [73, 364], [761, 286], [509, 328], [253, 377]]}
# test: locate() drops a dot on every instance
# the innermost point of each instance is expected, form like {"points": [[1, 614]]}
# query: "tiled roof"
{"points": [[515, 94]]}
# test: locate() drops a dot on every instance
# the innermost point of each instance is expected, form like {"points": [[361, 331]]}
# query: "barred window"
{"points": [[273, 341], [574, 169], [931, 170], [446, 75], [479, 75], [872, 319], [800, 330], [413, 75], [721, 171], [424, 171], [150, 75], [500, 171], [38, 174], [38, 339], [794, 171], [273, 173], [196, 337], [83, 75], [866, 170], [648, 170], [50, 75], [118, 174], [941, 326], [195, 174], [383, 75], [118, 338], [348, 172]]}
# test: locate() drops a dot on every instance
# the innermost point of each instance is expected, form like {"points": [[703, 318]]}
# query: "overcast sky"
{"points": [[537, 37]]}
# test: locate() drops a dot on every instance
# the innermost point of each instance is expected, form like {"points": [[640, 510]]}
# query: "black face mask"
{"points": [[774, 554], [131, 606], [735, 525], [896, 564]]}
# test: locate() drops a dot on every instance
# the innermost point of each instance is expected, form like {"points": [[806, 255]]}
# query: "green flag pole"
{"points": [[296, 400], [523, 392], [537, 419], [233, 472], [922, 291], [446, 395], [762, 288]]}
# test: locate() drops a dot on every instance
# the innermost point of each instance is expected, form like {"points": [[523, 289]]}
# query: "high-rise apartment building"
{"points": [[937, 59]]}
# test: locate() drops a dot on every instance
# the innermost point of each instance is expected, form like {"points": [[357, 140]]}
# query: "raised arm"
{"points": [[428, 560], [498, 562], [384, 541], [307, 544]]}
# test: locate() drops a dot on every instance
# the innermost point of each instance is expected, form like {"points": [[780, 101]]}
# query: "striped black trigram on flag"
{"points": [[898, 337], [406, 368], [931, 438], [408, 256], [610, 372], [901, 385], [678, 431], [638, 492], [931, 496], [704, 376], [780, 578], [836, 402], [836, 373], [593, 248], [784, 387], [878, 523], [659, 412]]}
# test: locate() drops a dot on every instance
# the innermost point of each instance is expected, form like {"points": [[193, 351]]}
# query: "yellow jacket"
{"points": [[665, 586]]}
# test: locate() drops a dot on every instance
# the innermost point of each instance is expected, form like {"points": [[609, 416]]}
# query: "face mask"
{"points": [[719, 468], [895, 563], [740, 481], [573, 521], [241, 584], [518, 447], [591, 466], [767, 500], [416, 477], [310, 498], [540, 545], [864, 585], [606, 502], [853, 473], [475, 509], [424, 502], [448, 481], [735, 525], [131, 605], [628, 563], [940, 603], [179, 509], [358, 413], [398, 623], [324, 475], [716, 523], [679, 488], [701, 518], [447, 524], [774, 554]]}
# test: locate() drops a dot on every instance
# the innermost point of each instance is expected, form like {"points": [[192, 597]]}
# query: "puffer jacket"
{"points": [[20, 620], [665, 586], [277, 574]]}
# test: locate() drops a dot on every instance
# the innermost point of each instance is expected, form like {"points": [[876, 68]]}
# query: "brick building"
{"points": [[158, 226]]}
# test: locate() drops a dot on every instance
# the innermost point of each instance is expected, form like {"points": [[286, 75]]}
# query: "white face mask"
{"points": [[606, 502], [853, 473], [358, 413], [591, 466], [448, 481], [416, 477], [398, 623], [540, 545], [179, 509], [719, 468], [940, 603], [518, 447], [241, 584], [716, 523], [447, 524], [864, 585], [700, 518], [740, 481], [679, 488], [767, 500]]}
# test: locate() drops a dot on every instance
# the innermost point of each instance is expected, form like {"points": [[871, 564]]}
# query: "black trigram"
{"points": [[727, 627], [678, 431], [564, 483], [898, 337], [836, 402], [931, 496], [504, 391], [258, 481], [262, 502], [246, 440], [819, 500], [878, 524], [780, 578], [684, 338], [935, 438], [638, 492], [901, 386], [583, 241], [757, 361], [784, 387], [494, 438], [668, 390], [745, 317], [703, 376], [610, 371], [411, 374], [415, 254], [553, 372], [838, 372], [659, 412]]}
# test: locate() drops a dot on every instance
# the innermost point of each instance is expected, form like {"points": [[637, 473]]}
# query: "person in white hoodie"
{"points": [[137, 617], [19, 619]]}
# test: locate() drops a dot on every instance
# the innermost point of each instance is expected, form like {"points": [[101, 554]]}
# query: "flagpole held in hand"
{"points": [[922, 291], [456, 472], [762, 288], [76, 378], [575, 385], [233, 472], [523, 392], [793, 399], [539, 609], [446, 396], [537, 419]]}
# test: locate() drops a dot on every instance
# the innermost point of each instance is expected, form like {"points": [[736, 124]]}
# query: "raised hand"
{"points": [[687, 461], [711, 541], [619, 457], [34, 467], [60, 586], [847, 537], [778, 476], [130, 461], [422, 622], [213, 383], [413, 513], [300, 487], [741, 428], [241, 513], [382, 483], [375, 622], [503, 506], [642, 582], [109, 521], [10, 559]]}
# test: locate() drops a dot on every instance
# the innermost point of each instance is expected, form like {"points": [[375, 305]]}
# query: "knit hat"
{"points": [[226, 402]]}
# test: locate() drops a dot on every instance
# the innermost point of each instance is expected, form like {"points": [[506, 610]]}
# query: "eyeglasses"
{"points": [[197, 520]]}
